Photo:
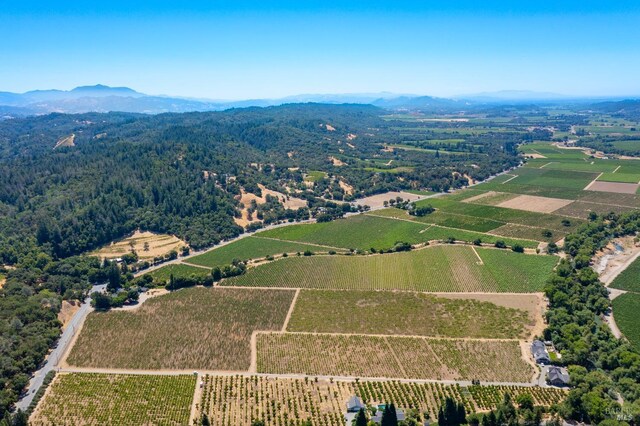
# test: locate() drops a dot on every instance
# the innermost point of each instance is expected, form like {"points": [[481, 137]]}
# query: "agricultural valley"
{"points": [[264, 266]]}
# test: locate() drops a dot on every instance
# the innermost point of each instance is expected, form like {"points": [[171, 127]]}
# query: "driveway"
{"points": [[58, 352]]}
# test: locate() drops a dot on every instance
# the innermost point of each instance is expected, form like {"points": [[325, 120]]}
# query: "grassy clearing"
{"points": [[178, 270], [381, 312], [625, 310], [439, 268], [314, 176], [240, 400], [195, 328], [250, 248], [113, 399], [393, 357], [629, 279]]}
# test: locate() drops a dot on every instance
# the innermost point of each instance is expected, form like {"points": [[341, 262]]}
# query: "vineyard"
{"points": [[103, 399], [392, 357], [438, 268], [235, 400], [195, 328], [628, 279], [178, 270], [500, 214], [250, 248], [357, 232], [384, 312], [625, 310]]}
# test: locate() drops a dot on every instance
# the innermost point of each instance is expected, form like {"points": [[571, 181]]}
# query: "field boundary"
{"points": [[195, 402], [480, 262], [409, 336], [290, 311], [586, 188], [287, 376], [510, 179]]}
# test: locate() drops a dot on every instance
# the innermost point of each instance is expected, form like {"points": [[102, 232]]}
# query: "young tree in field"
{"points": [[145, 247], [205, 420], [361, 418]]}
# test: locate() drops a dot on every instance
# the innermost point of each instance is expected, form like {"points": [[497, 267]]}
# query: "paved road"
{"points": [[57, 353]]}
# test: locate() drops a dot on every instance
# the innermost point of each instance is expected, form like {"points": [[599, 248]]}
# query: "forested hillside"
{"points": [[179, 173]]}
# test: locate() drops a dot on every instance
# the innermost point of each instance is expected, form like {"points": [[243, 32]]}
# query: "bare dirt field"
{"points": [[616, 187], [68, 141], [336, 161], [532, 203], [247, 197], [348, 189], [377, 201], [534, 155], [67, 311], [158, 245], [610, 261], [287, 201]]}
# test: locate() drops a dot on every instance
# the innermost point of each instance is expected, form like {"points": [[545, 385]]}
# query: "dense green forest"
{"points": [[179, 173]]}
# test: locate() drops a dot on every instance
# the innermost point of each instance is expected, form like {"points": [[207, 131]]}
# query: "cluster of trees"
{"points": [[237, 267], [451, 413], [605, 144], [506, 413], [602, 368], [30, 301]]}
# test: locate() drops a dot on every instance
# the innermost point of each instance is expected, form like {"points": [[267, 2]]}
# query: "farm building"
{"points": [[558, 376], [539, 352], [354, 404]]}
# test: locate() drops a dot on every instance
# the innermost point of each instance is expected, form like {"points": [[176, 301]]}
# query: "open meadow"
{"points": [[358, 355], [446, 268], [384, 312], [239, 400], [194, 328], [115, 399]]}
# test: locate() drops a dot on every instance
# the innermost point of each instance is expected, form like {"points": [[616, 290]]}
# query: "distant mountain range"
{"points": [[101, 98]]}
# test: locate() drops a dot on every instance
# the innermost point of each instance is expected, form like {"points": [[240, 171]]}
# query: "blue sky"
{"points": [[260, 49]]}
